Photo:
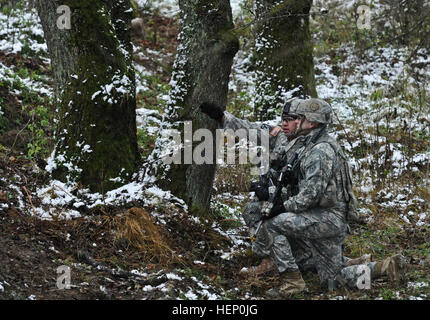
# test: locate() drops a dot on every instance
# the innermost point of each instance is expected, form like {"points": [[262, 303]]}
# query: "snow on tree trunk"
{"points": [[282, 55], [96, 142], [201, 72]]}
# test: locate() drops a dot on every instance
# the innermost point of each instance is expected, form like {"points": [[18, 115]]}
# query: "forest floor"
{"points": [[150, 247], [179, 257]]}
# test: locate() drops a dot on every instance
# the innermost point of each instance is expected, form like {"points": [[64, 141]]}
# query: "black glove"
{"points": [[213, 111], [277, 209], [262, 192]]}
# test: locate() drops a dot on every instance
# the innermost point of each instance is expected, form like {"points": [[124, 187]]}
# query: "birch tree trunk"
{"points": [[282, 55], [201, 72], [96, 142]]}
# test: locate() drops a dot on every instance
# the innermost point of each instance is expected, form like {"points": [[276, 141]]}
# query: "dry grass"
{"points": [[232, 178], [140, 232]]}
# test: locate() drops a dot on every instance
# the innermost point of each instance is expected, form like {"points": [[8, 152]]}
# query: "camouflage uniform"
{"points": [[281, 147], [311, 233], [315, 217], [278, 141]]}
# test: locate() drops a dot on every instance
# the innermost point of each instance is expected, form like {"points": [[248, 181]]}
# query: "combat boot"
{"points": [[293, 283], [266, 265], [394, 267], [364, 259]]}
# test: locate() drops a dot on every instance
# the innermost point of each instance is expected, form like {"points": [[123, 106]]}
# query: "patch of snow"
{"points": [[191, 295], [417, 285], [172, 276]]}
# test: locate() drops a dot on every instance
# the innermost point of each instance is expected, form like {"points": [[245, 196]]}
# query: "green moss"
{"points": [[284, 59], [94, 113], [203, 63]]}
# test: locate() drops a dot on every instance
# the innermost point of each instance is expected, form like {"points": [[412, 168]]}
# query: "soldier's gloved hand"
{"points": [[254, 186], [289, 177], [266, 210], [213, 111], [261, 192], [269, 210], [277, 209]]}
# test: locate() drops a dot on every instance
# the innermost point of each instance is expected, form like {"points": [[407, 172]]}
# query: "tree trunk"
{"points": [[282, 55], [96, 142], [201, 72]]}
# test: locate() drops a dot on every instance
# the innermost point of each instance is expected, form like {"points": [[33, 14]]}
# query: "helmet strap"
{"points": [[299, 127]]}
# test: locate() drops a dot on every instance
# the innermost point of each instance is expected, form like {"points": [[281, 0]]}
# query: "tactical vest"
{"points": [[339, 188]]}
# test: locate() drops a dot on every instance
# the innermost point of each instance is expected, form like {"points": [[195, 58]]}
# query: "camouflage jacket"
{"points": [[324, 179], [280, 146]]}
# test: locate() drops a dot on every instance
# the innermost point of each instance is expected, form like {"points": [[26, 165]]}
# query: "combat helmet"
{"points": [[315, 110], [290, 107]]}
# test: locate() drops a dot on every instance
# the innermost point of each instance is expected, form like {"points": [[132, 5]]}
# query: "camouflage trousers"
{"points": [[311, 240]]}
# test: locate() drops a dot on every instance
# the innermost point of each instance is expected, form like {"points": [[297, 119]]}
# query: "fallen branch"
{"points": [[86, 258], [29, 199], [61, 188]]}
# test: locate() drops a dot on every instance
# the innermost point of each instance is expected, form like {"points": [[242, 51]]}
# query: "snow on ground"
{"points": [[19, 31], [23, 81], [352, 90]]}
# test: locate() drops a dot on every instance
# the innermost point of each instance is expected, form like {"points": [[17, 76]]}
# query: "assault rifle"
{"points": [[273, 206]]}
